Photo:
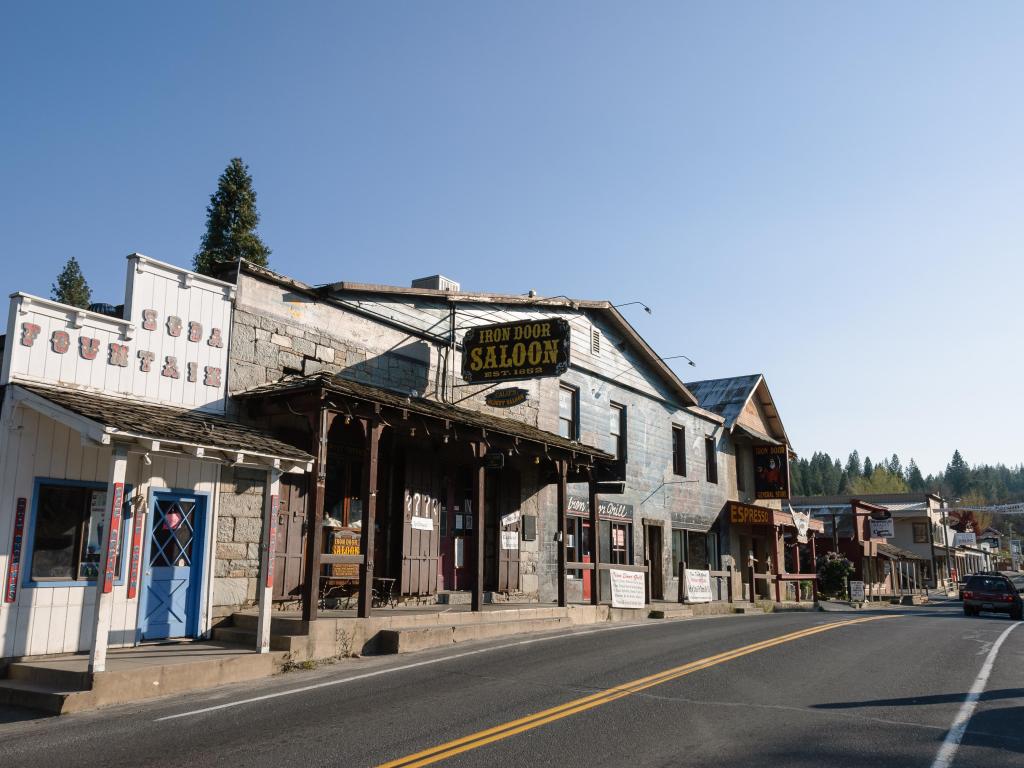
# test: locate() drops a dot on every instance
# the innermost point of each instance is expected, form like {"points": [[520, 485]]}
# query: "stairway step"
{"points": [[671, 612], [34, 696], [49, 676], [410, 639], [247, 638]]}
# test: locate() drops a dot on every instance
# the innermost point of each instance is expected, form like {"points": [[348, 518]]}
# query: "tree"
{"points": [[231, 220], [895, 467], [958, 474], [853, 466], [71, 287], [914, 478], [881, 481], [869, 468]]}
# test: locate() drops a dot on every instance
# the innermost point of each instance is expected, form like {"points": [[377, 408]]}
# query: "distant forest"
{"points": [[980, 485]]}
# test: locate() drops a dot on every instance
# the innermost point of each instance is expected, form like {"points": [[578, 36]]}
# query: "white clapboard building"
{"points": [[113, 436]]}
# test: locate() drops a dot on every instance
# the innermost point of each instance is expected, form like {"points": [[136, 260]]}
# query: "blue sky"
{"points": [[831, 194]]}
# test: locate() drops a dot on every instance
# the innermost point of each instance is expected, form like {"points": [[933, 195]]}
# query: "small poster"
{"points": [[628, 588], [698, 586], [856, 591], [882, 527], [423, 523], [511, 518], [510, 539]]}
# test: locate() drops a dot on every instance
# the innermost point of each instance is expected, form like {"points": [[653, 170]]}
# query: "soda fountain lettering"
{"points": [[192, 371], [215, 339], [145, 360], [118, 355], [60, 342], [88, 348], [29, 332], [174, 326], [170, 369], [149, 319], [211, 376], [195, 331]]}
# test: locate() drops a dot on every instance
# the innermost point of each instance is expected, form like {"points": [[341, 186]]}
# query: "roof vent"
{"points": [[595, 341], [437, 283]]}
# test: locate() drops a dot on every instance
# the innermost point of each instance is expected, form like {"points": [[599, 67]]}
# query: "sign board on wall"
{"points": [[748, 514], [606, 510], [965, 539], [510, 539], [698, 586], [627, 588], [14, 562], [507, 397], [526, 349], [882, 527], [771, 472]]}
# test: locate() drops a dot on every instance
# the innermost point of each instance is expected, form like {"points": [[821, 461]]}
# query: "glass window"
{"points": [[697, 551], [568, 400], [678, 537], [741, 483], [711, 459], [920, 533], [68, 537], [617, 431], [616, 543], [679, 451]]}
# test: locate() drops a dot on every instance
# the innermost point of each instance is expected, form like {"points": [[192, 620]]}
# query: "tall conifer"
{"points": [[71, 287], [231, 220]]}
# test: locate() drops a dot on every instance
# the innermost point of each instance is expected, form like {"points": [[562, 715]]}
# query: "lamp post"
{"points": [[631, 303], [674, 357]]}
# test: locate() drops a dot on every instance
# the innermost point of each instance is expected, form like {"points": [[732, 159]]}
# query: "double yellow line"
{"points": [[505, 730]]}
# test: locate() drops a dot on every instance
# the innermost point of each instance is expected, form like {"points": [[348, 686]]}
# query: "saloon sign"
{"points": [[771, 472], [527, 349]]}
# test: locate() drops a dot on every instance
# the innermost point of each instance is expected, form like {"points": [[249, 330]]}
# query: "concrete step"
{"points": [[454, 598], [39, 698], [247, 638], [50, 677], [410, 639], [713, 609], [279, 625], [670, 611]]}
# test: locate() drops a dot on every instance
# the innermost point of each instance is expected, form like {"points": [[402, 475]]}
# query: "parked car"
{"points": [[996, 591], [960, 587]]}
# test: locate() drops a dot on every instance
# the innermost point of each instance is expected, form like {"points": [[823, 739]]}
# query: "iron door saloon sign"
{"points": [[527, 349]]}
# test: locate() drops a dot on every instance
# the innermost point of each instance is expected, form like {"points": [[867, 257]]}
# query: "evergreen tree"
{"points": [[895, 467], [231, 220], [853, 466], [914, 478], [71, 287], [958, 474], [869, 468]]}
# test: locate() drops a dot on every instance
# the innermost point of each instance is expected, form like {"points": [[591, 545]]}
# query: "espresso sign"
{"points": [[747, 514], [771, 472], [527, 349]]}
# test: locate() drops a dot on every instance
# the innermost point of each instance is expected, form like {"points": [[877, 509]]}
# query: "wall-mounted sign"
{"points": [[526, 349], [345, 544], [511, 517], [606, 510], [748, 514], [882, 526], [422, 523], [114, 537], [136, 562], [965, 539], [510, 539], [14, 563], [771, 472], [506, 397]]}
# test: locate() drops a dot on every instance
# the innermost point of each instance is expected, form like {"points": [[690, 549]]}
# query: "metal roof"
{"points": [[728, 397]]}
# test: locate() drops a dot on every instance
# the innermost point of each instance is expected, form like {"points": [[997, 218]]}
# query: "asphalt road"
{"points": [[792, 689]]}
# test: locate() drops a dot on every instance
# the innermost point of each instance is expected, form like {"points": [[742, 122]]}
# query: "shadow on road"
{"points": [[992, 728], [941, 698], [18, 715]]}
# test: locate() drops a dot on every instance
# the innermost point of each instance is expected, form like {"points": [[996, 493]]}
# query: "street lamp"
{"points": [[674, 357], [630, 303]]}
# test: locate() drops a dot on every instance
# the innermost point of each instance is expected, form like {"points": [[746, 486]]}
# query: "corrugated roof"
{"points": [[166, 424], [726, 397], [339, 385], [895, 553]]}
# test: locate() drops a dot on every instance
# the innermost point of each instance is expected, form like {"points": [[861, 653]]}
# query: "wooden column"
{"points": [[111, 527], [372, 429], [595, 541], [563, 525], [315, 516], [265, 590], [479, 495], [814, 567]]}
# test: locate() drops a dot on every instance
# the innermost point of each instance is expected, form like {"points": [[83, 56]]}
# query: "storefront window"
{"points": [[678, 553], [68, 536], [568, 399], [616, 543], [697, 551]]}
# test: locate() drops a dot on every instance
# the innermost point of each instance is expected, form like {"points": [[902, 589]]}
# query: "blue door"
{"points": [[173, 575]]}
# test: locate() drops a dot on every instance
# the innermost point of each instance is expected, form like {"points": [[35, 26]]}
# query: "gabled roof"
{"points": [[728, 397], [603, 309]]}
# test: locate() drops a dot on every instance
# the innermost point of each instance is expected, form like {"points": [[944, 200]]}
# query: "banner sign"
{"points": [[966, 539], [748, 514], [579, 506], [526, 349], [272, 542], [856, 591], [882, 527], [422, 523], [510, 539], [698, 586], [14, 564], [511, 518], [115, 535], [771, 472], [136, 562], [507, 397], [628, 588]]}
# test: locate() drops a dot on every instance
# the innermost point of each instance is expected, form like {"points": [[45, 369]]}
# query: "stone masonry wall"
{"points": [[239, 527]]}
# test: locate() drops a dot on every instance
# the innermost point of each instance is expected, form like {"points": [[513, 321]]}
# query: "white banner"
{"points": [[965, 539], [510, 539], [510, 518], [423, 523], [698, 586], [627, 588]]}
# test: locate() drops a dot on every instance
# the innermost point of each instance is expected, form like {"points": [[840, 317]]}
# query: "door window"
{"points": [[173, 534]]}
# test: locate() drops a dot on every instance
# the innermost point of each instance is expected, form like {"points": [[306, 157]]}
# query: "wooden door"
{"points": [[655, 557], [421, 526], [291, 538], [509, 524]]}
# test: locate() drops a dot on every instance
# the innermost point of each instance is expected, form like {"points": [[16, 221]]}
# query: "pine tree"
{"points": [[914, 478], [869, 468], [71, 287], [853, 466], [231, 220], [958, 474], [895, 467]]}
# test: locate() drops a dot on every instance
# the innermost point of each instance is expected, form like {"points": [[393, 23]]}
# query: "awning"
{"points": [[895, 553], [755, 435], [292, 386], [117, 421]]}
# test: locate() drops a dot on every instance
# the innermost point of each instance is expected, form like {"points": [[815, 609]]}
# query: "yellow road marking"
{"points": [[503, 731]]}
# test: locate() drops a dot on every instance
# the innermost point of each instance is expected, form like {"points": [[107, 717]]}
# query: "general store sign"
{"points": [[771, 472], [527, 349]]}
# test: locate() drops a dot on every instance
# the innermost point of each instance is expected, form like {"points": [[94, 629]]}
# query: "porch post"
{"points": [[271, 504], [479, 496], [373, 428], [563, 536], [315, 517], [111, 527], [595, 539]]}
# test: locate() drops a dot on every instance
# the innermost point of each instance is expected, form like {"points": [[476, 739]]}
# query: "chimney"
{"points": [[437, 283]]}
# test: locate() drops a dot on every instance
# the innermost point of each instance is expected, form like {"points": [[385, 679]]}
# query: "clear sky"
{"points": [[831, 194]]}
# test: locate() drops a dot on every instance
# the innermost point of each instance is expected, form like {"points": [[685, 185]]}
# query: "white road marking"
{"points": [[414, 665], [956, 732]]}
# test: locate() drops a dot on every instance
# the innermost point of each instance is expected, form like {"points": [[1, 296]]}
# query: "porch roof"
{"points": [[106, 419], [331, 383], [895, 553]]}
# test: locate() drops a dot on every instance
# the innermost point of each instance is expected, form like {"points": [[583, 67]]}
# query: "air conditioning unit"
{"points": [[437, 283]]}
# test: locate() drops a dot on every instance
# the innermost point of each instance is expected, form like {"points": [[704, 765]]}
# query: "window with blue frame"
{"points": [[68, 532]]}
